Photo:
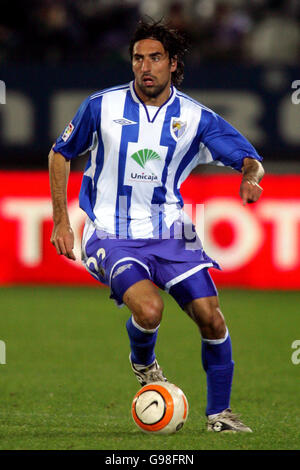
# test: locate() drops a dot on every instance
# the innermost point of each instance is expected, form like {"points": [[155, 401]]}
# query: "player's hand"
{"points": [[63, 239], [250, 191]]}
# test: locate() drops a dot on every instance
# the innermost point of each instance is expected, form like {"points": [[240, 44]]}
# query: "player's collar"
{"points": [[137, 99]]}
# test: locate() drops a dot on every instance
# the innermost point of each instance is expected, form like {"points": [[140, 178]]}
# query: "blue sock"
{"points": [[218, 365], [142, 343]]}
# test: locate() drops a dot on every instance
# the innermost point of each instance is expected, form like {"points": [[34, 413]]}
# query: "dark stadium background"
{"points": [[244, 64], [238, 50]]}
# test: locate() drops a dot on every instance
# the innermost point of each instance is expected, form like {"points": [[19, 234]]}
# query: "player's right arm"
{"points": [[62, 234], [76, 139]]}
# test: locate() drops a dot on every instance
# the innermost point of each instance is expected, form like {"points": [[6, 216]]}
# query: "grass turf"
{"points": [[67, 383]]}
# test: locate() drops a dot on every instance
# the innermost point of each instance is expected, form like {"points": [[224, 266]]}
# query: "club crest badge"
{"points": [[177, 128]]}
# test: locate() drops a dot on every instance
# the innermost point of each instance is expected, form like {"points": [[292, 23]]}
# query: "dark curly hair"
{"points": [[172, 40]]}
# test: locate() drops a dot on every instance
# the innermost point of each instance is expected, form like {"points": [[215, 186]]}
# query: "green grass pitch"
{"points": [[67, 383]]}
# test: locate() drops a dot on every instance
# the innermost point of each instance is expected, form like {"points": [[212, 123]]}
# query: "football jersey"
{"points": [[139, 157]]}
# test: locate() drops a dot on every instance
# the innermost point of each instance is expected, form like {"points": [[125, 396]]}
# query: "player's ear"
{"points": [[173, 62]]}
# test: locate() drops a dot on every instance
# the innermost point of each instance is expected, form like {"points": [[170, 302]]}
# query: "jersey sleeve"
{"points": [[78, 136], [222, 143]]}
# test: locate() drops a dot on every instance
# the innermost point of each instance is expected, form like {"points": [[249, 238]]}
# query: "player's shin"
{"points": [[218, 365], [142, 343]]}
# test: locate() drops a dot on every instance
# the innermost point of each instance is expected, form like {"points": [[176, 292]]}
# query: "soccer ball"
{"points": [[160, 408]]}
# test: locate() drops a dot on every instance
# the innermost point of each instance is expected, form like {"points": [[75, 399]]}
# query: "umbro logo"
{"points": [[121, 269], [124, 122]]}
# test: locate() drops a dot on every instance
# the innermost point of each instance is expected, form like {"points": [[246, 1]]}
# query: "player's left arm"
{"points": [[229, 147], [253, 172]]}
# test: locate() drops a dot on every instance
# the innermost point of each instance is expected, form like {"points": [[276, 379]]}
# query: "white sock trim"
{"points": [[216, 341], [143, 329]]}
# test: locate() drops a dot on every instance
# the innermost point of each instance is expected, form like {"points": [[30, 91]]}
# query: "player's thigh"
{"points": [[145, 303]]}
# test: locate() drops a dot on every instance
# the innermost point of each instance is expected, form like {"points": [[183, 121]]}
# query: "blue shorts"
{"points": [[120, 263]]}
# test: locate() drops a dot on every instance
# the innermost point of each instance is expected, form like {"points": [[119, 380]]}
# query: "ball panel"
{"points": [[186, 406], [180, 410], [169, 408], [150, 407]]}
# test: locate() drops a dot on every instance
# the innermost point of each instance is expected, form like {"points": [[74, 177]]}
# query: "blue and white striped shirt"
{"points": [[139, 156]]}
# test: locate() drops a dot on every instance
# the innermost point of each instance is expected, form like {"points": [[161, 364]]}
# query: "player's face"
{"points": [[152, 69]]}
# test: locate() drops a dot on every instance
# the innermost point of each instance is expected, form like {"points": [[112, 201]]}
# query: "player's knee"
{"points": [[216, 324], [149, 313]]}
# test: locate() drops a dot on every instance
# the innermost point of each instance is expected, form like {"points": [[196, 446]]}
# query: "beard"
{"points": [[152, 91]]}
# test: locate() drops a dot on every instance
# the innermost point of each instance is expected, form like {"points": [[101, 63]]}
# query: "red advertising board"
{"points": [[257, 245]]}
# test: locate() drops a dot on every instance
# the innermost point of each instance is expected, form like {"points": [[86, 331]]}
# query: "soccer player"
{"points": [[144, 139]]}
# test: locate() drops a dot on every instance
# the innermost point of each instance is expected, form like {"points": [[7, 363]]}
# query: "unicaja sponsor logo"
{"points": [[2, 352], [143, 156], [143, 177], [2, 92]]}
